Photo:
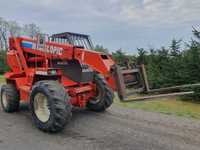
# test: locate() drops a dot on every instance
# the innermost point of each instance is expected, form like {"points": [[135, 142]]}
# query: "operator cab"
{"points": [[76, 39]]}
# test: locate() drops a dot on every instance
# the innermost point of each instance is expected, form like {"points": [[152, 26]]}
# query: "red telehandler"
{"points": [[54, 73]]}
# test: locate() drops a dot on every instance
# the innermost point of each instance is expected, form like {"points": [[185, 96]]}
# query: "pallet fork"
{"points": [[131, 82]]}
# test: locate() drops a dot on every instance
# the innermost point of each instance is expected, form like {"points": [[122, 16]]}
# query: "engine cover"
{"points": [[75, 71]]}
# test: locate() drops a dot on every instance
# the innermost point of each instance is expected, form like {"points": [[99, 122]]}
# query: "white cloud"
{"points": [[132, 12], [127, 22], [159, 12]]}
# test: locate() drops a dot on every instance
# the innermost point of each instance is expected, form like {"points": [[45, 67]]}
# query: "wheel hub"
{"points": [[4, 99], [99, 93], [41, 108]]}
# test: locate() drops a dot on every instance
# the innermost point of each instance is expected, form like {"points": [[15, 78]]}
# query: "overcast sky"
{"points": [[125, 24]]}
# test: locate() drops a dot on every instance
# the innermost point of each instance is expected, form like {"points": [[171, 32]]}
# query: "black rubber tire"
{"points": [[12, 98], [58, 103], [105, 99]]}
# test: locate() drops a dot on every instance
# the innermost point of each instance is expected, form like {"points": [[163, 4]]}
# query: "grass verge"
{"points": [[171, 106], [2, 79]]}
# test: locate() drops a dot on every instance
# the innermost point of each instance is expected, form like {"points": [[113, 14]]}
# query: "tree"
{"points": [[100, 48], [141, 56], [8, 28], [3, 33], [3, 64], [31, 30], [175, 47], [196, 33], [14, 28], [120, 57]]}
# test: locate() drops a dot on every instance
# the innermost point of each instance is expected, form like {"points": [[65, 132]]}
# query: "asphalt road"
{"points": [[116, 129]]}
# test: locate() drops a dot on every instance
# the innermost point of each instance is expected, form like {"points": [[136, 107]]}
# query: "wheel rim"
{"points": [[41, 108], [98, 96], [4, 99]]}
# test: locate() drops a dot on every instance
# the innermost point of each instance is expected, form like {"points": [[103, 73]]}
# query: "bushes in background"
{"points": [[3, 65]]}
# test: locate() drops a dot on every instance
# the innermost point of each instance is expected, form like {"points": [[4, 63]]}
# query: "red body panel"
{"points": [[29, 65], [95, 60]]}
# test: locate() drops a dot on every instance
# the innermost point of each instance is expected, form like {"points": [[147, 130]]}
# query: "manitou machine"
{"points": [[55, 73]]}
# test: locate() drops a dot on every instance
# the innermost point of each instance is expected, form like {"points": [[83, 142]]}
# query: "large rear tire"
{"points": [[104, 96], [9, 98], [50, 106]]}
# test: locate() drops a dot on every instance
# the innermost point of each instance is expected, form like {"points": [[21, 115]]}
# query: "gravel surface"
{"points": [[116, 129]]}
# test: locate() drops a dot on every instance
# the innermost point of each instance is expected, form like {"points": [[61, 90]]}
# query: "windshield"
{"points": [[75, 39], [81, 41]]}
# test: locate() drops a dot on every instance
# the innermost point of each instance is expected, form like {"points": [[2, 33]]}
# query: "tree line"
{"points": [[175, 64]]}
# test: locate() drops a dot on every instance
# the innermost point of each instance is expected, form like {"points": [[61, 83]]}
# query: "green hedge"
{"points": [[3, 65]]}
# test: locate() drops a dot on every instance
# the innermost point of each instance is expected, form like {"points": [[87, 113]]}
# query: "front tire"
{"points": [[9, 98], [104, 96], [50, 106]]}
